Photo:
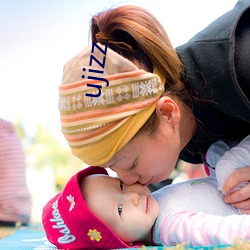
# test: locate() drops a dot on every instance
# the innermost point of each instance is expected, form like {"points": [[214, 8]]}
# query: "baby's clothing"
{"points": [[194, 212]]}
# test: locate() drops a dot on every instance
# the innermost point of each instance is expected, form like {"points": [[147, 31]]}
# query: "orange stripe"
{"points": [[109, 78], [92, 134], [108, 111]]}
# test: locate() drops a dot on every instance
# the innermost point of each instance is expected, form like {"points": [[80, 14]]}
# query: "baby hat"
{"points": [[104, 100], [69, 223]]}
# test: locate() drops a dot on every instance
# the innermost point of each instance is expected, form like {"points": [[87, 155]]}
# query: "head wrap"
{"points": [[70, 224], [96, 127]]}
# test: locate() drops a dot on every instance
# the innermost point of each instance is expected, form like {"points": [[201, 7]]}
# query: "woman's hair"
{"points": [[136, 34]]}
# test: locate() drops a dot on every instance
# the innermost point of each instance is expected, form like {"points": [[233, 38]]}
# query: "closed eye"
{"points": [[134, 164]]}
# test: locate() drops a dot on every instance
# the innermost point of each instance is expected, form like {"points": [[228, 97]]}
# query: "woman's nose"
{"points": [[126, 177]]}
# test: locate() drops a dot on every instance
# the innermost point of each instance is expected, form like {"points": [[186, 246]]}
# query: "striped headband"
{"points": [[98, 121]]}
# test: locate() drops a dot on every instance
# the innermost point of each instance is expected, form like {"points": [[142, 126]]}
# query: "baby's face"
{"points": [[130, 211]]}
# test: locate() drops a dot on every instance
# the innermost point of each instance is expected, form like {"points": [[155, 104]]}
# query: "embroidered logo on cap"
{"points": [[72, 203], [60, 224], [94, 235]]}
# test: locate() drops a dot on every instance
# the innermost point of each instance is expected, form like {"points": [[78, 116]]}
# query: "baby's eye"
{"points": [[120, 206], [121, 186]]}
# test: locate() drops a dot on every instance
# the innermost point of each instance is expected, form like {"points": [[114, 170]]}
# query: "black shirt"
{"points": [[217, 66]]}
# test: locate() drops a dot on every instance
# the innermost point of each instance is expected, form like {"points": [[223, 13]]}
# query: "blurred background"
{"points": [[36, 39]]}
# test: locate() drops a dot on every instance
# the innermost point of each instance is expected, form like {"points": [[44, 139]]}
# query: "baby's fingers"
{"points": [[245, 211], [237, 177], [239, 198]]}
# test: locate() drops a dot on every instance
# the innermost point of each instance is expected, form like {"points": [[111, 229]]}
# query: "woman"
{"points": [[134, 124]]}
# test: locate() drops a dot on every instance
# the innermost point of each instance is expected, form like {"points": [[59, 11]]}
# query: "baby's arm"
{"points": [[201, 229], [237, 157], [214, 153]]}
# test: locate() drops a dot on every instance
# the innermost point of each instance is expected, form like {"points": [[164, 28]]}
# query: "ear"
{"points": [[168, 110]]}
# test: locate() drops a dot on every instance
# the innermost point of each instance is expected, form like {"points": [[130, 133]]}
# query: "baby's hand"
{"points": [[240, 198]]}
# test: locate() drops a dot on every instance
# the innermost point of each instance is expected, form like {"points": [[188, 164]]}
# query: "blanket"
{"points": [[33, 237]]}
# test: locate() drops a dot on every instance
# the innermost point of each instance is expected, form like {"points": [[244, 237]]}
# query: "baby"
{"points": [[96, 211]]}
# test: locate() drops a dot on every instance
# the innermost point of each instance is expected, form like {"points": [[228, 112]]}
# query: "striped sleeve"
{"points": [[15, 200], [201, 229]]}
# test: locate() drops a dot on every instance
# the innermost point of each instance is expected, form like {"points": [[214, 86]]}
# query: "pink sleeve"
{"points": [[15, 200], [201, 229]]}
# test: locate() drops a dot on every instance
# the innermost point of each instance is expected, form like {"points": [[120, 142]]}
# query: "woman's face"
{"points": [[147, 159]]}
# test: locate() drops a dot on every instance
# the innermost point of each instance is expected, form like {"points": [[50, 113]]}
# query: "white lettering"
{"points": [[67, 237]]}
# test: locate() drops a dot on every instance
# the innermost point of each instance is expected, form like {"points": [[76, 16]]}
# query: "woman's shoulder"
{"points": [[209, 65]]}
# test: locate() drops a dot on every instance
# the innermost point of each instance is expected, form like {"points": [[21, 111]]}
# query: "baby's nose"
{"points": [[133, 197]]}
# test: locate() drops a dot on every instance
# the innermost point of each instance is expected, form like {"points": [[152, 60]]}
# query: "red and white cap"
{"points": [[69, 223]]}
